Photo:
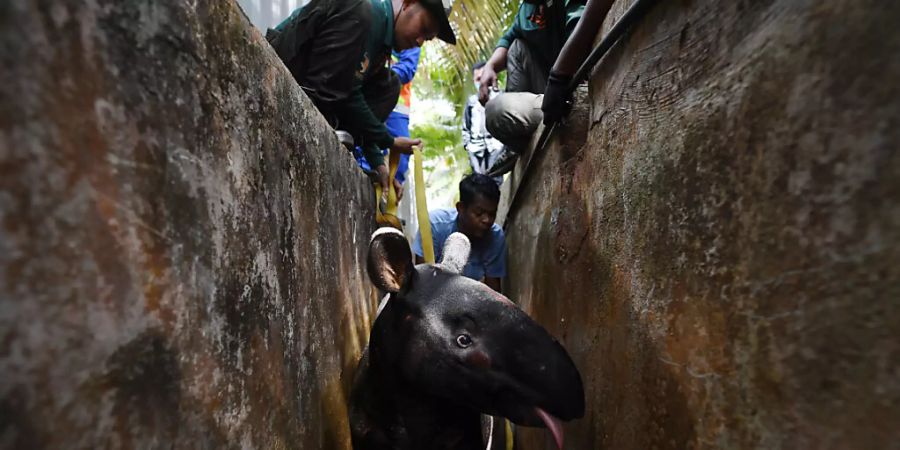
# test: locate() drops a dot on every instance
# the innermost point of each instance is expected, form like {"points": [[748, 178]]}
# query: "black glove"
{"points": [[557, 98]]}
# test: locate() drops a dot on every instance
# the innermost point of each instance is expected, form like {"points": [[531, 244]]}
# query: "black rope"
{"points": [[635, 13]]}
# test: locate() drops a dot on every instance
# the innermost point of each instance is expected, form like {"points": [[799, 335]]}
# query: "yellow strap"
{"points": [[422, 209], [509, 435], [390, 214]]}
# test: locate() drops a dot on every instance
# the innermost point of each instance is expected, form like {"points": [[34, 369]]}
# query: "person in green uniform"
{"points": [[530, 45], [338, 51], [527, 51], [556, 101]]}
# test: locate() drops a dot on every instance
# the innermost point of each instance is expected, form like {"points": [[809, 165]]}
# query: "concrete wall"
{"points": [[180, 235], [722, 256]]}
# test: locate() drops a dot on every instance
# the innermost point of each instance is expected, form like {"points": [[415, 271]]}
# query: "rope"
{"points": [[386, 211]]}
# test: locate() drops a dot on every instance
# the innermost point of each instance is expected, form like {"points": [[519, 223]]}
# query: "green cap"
{"points": [[440, 9]]}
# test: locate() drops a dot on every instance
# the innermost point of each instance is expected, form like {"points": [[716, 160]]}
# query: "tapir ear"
{"points": [[389, 264], [456, 252]]}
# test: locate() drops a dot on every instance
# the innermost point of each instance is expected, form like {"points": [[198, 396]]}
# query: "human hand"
{"points": [[405, 145], [557, 98], [488, 81]]}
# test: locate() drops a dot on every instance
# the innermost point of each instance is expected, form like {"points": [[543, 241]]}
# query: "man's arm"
{"points": [[497, 62], [580, 42], [488, 78], [355, 114], [406, 65], [556, 96]]}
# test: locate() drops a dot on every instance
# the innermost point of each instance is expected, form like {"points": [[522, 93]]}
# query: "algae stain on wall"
{"points": [[166, 276], [726, 234]]}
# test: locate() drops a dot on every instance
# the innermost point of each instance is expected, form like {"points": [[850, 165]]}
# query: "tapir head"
{"points": [[456, 339]]}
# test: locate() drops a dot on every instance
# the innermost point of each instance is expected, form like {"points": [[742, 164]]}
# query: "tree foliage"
{"points": [[445, 74], [478, 25]]}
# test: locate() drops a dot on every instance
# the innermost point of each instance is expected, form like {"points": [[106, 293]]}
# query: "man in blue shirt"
{"points": [[474, 216]]}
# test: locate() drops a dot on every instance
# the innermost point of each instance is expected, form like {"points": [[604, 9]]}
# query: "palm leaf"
{"points": [[478, 25]]}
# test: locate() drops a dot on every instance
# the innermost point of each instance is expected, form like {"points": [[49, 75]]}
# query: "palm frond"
{"points": [[478, 25]]}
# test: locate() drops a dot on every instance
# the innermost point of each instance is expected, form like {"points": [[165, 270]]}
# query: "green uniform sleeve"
{"points": [[511, 34], [373, 155], [355, 114], [574, 11]]}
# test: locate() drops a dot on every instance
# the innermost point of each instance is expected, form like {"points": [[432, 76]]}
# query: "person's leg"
{"points": [[525, 71], [477, 158], [517, 79], [512, 117]]}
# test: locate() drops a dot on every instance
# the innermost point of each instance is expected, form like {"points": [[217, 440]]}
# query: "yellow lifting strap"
{"points": [[388, 216], [422, 208]]}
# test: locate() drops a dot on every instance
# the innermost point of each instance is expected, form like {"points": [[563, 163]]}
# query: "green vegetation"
{"points": [[442, 85]]}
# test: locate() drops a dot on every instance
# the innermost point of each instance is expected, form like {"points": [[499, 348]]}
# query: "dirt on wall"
{"points": [[720, 250], [181, 236]]}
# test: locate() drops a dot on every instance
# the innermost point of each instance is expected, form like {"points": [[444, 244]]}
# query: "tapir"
{"points": [[445, 349]]}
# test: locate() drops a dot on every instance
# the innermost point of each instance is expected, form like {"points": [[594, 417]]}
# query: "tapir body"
{"points": [[446, 349]]}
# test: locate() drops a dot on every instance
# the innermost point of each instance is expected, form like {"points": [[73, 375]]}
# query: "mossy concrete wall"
{"points": [[181, 236], [722, 256]]}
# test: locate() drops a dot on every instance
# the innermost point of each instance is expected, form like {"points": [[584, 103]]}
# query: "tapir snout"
{"points": [[455, 345], [511, 366]]}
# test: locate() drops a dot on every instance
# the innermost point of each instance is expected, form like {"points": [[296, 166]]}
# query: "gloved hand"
{"points": [[557, 98]]}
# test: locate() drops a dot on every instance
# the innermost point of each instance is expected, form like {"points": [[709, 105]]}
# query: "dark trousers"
{"points": [[512, 116], [526, 71]]}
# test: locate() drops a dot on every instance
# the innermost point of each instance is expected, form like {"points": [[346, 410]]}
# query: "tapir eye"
{"points": [[463, 340]]}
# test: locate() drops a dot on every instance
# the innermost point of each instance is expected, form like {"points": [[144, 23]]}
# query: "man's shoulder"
{"points": [[497, 232], [359, 9], [442, 216]]}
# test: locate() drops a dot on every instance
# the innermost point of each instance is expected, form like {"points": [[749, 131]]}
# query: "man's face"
{"points": [[476, 74], [476, 219], [413, 26]]}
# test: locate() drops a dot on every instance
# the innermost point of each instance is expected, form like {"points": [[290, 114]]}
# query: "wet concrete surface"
{"points": [[719, 252], [181, 235]]}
